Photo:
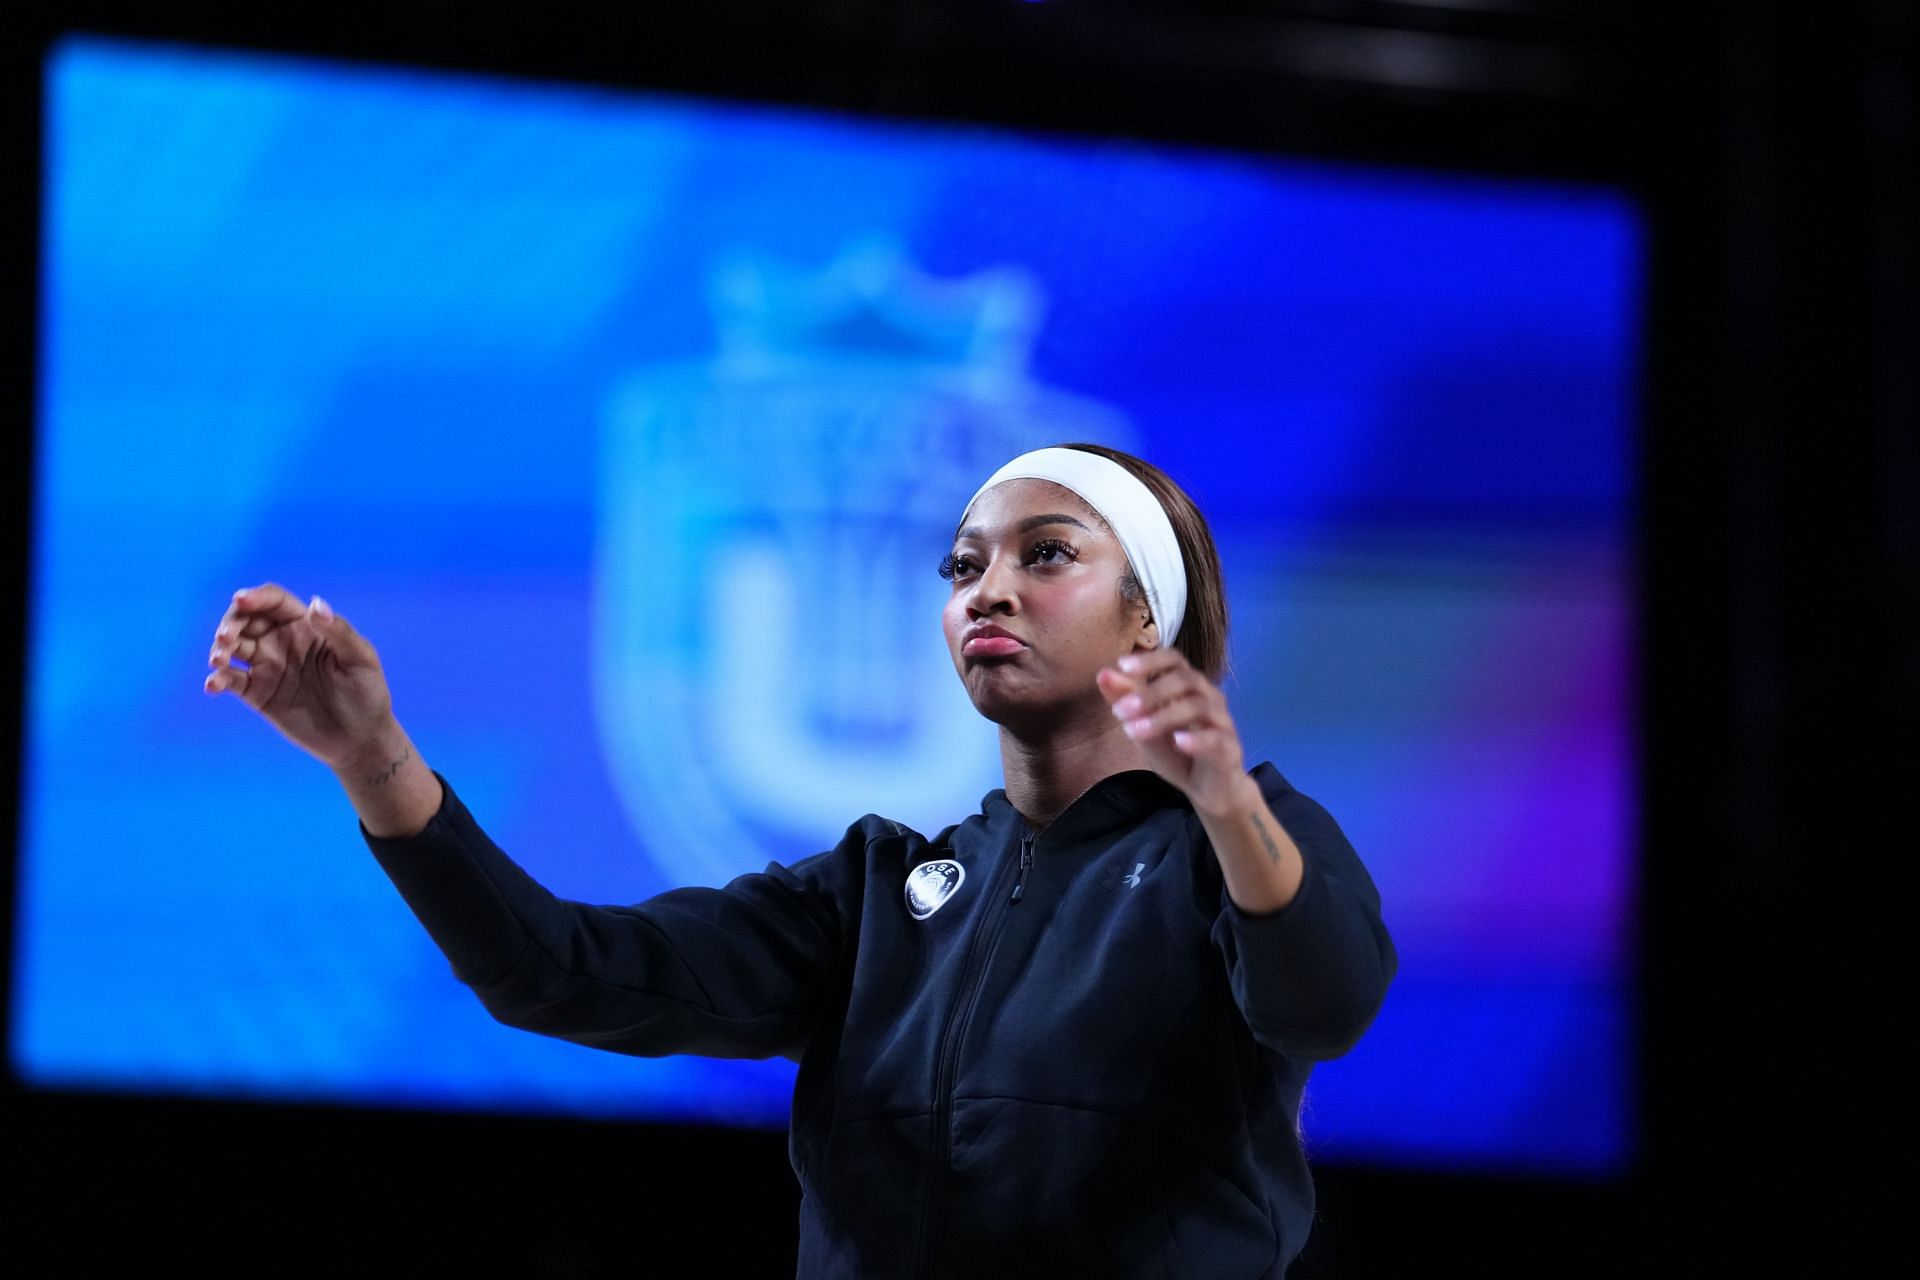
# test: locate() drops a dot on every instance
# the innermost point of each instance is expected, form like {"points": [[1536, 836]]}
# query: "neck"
{"points": [[1049, 770]]}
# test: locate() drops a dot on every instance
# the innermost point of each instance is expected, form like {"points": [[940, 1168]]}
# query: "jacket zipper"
{"points": [[950, 1054], [1026, 865]]}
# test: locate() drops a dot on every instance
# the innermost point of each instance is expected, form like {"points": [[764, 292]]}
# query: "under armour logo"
{"points": [[1132, 878], [930, 884]]}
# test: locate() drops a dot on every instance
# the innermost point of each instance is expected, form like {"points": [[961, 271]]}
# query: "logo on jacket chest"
{"points": [[930, 884]]}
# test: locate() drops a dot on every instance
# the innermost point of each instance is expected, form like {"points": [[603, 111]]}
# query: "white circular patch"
{"points": [[930, 884]]}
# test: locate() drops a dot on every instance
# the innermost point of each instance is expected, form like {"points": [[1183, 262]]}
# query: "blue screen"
{"points": [[630, 428]]}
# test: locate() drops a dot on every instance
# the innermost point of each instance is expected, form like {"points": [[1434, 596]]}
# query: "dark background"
{"points": [[1773, 151]]}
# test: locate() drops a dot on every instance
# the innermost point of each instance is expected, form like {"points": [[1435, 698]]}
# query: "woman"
{"points": [[1067, 1035]]}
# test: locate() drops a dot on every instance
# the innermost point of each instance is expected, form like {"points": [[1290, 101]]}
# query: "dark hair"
{"points": [[1203, 629]]}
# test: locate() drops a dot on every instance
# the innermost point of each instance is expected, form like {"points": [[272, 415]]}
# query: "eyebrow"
{"points": [[1030, 523]]}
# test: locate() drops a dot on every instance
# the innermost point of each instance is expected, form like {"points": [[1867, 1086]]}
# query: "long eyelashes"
{"points": [[953, 566]]}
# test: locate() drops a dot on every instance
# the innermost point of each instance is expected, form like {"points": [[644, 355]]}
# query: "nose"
{"points": [[993, 590]]}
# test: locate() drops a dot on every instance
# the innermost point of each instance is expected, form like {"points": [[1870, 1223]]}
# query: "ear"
{"points": [[1148, 636]]}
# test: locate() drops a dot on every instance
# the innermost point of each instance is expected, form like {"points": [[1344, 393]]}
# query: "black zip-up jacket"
{"points": [[1058, 1054]]}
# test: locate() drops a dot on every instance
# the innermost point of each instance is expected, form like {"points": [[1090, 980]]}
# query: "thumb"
{"points": [[346, 640]]}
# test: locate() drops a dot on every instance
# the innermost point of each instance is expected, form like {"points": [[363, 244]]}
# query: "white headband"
{"points": [[1129, 508]]}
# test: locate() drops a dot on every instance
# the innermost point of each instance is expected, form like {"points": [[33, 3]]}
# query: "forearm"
{"points": [[1260, 863], [730, 972], [391, 787]]}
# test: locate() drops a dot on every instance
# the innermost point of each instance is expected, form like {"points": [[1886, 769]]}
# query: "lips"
{"points": [[990, 641]]}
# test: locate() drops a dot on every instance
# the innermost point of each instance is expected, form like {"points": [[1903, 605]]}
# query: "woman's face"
{"points": [[1035, 561]]}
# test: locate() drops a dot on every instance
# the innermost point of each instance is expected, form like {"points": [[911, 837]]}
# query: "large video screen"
{"points": [[631, 427]]}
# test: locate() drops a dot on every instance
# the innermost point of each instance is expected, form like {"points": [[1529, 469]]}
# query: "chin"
{"points": [[1011, 707]]}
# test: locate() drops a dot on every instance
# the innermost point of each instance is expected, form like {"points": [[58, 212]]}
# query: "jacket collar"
{"points": [[1116, 800]]}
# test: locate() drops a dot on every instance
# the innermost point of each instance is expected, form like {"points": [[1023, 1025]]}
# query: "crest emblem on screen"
{"points": [[768, 658], [930, 884]]}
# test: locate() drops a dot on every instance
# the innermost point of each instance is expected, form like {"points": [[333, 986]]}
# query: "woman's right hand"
{"points": [[308, 672]]}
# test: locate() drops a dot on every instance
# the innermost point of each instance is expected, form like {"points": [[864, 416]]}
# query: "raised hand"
{"points": [[307, 672], [1180, 719]]}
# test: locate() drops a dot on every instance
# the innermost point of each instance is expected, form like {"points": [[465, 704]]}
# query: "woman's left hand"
{"points": [[1179, 718]]}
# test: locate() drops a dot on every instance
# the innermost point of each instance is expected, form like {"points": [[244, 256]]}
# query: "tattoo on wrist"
{"points": [[386, 775], [1273, 850]]}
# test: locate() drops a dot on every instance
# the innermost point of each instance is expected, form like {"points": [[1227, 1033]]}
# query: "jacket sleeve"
{"points": [[1310, 977], [733, 972]]}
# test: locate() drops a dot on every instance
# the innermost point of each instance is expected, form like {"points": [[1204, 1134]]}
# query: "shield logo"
{"points": [[930, 884], [767, 654]]}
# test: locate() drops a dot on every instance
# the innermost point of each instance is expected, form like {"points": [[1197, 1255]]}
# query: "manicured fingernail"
{"points": [[322, 608], [1130, 663], [1127, 706], [1137, 727]]}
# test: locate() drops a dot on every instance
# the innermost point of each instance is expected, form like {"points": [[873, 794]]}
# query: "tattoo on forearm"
{"points": [[386, 775], [1273, 850]]}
